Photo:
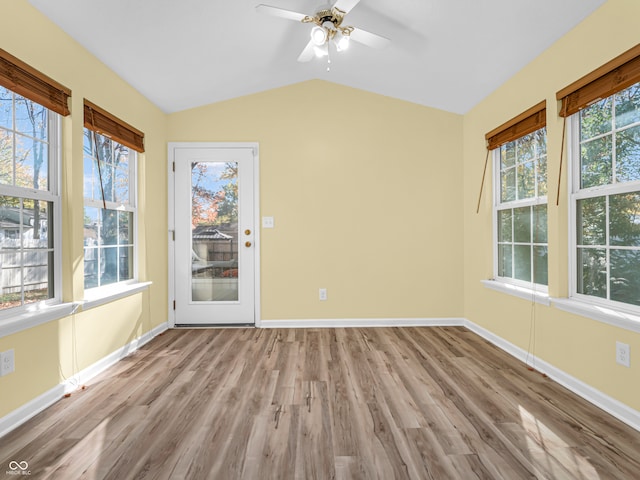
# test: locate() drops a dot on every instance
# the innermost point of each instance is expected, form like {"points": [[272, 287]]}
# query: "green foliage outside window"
{"points": [[608, 218]]}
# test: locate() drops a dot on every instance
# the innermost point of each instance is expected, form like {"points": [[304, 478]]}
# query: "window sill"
{"points": [[30, 319], [517, 291], [99, 296], [49, 313], [617, 318]]}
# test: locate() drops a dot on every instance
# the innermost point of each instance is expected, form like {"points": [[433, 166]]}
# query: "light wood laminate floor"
{"points": [[421, 403]]}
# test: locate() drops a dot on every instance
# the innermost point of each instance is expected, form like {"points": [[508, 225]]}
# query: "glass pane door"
{"points": [[214, 231]]}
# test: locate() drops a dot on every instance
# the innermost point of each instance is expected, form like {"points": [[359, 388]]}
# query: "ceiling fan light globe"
{"points": [[318, 36], [342, 43]]}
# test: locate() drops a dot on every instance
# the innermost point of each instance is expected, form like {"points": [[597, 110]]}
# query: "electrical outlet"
{"points": [[322, 294], [7, 362], [622, 354]]}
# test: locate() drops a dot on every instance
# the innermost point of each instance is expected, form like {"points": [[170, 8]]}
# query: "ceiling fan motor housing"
{"points": [[327, 14]]}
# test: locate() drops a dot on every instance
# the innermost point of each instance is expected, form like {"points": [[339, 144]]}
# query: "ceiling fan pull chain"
{"points": [[328, 58]]}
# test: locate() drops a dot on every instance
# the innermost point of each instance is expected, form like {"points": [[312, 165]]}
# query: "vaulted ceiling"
{"points": [[447, 54]]}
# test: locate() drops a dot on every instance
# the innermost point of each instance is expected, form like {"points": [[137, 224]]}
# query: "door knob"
{"points": [[247, 244], [247, 232]]}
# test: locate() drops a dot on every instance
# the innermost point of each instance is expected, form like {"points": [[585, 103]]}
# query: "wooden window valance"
{"points": [[102, 122], [32, 84], [614, 76], [529, 121]]}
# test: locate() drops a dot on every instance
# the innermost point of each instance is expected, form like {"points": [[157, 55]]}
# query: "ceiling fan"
{"points": [[328, 28]]}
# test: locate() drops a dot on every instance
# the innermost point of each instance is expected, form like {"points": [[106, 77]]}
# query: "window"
{"points": [[606, 198], [30, 109], [520, 159], [604, 107], [109, 210], [109, 198], [28, 200]]}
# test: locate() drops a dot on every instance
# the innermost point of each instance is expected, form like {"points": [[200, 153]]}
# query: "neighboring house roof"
{"points": [[210, 233], [11, 215]]}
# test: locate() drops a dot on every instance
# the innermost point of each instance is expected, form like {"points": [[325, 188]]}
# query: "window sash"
{"points": [[52, 197], [577, 194], [100, 250], [500, 206], [130, 203]]}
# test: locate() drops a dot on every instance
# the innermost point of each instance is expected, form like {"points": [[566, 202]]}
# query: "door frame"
{"points": [[172, 146]]}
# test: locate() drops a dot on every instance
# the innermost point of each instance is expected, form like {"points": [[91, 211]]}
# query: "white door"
{"points": [[214, 251]]}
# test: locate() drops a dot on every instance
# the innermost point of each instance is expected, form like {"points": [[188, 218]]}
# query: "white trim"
{"points": [[99, 296], [30, 409], [171, 239], [363, 322], [609, 404], [71, 384], [17, 417], [33, 318], [257, 229], [608, 315], [530, 294]]}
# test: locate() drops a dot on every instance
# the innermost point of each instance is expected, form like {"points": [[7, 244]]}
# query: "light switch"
{"points": [[267, 222]]}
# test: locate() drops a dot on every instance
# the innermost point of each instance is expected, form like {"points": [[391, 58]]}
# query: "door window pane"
{"points": [[214, 235]]}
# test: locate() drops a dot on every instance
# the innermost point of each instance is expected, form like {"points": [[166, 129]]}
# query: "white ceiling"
{"points": [[447, 54]]}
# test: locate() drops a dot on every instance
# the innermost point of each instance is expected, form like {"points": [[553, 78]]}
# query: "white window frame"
{"points": [[607, 310], [100, 294], [24, 312], [522, 288]]}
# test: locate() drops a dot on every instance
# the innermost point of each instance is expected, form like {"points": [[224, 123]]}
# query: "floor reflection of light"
{"points": [[87, 452], [551, 452]]}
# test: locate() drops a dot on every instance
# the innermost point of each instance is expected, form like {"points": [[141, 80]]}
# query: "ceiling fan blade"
{"points": [[345, 5], [308, 52], [369, 39], [280, 12]]}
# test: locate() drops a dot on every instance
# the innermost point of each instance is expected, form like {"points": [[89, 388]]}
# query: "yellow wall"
{"points": [[366, 198], [373, 198], [579, 346], [50, 353]]}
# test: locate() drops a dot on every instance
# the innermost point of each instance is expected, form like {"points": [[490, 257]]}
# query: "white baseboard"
{"points": [[48, 398], [609, 404], [30, 409], [363, 322]]}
